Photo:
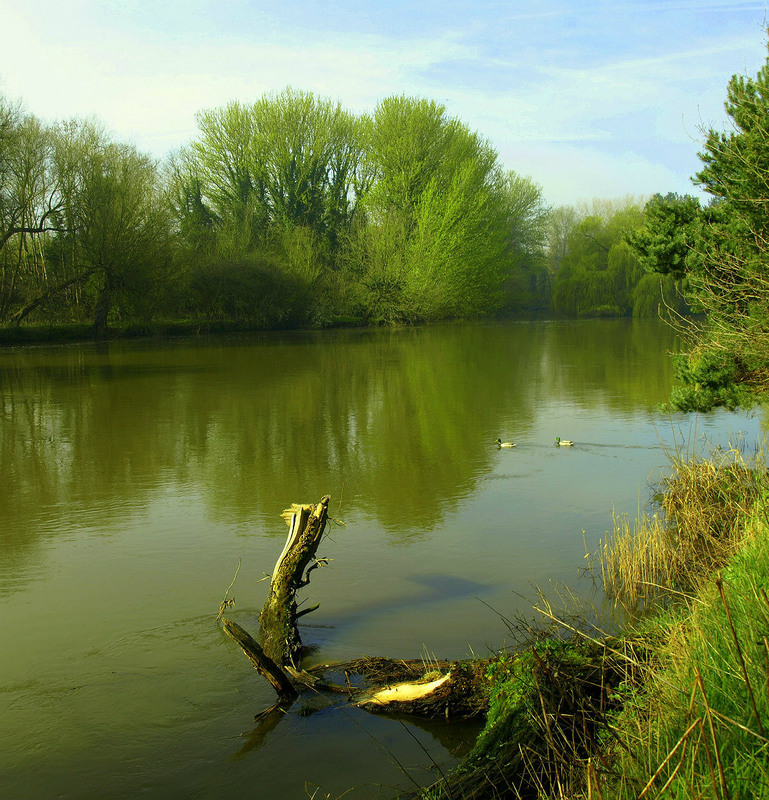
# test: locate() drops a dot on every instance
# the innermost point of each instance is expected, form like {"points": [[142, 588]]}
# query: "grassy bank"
{"points": [[675, 706]]}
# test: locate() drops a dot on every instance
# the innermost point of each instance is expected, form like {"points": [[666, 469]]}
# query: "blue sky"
{"points": [[590, 98]]}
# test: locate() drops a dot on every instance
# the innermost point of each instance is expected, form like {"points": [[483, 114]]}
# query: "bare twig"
{"points": [[228, 602]]}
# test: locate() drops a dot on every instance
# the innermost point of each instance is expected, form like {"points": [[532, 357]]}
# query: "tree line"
{"points": [[293, 212]]}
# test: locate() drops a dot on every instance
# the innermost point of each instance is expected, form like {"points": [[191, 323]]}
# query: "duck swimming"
{"points": [[563, 442], [500, 443]]}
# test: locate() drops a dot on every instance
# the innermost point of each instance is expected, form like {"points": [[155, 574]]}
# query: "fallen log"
{"points": [[265, 665], [435, 689]]}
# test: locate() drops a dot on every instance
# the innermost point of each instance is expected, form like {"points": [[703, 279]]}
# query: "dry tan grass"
{"points": [[637, 561], [659, 556]]}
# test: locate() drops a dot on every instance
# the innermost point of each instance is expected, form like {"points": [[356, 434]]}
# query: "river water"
{"points": [[138, 478]]}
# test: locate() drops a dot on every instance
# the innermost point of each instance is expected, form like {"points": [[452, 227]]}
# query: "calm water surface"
{"points": [[136, 476]]}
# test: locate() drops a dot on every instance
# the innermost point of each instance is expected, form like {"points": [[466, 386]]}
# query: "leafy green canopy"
{"points": [[721, 253], [404, 215], [594, 270], [289, 211], [83, 226], [441, 219]]}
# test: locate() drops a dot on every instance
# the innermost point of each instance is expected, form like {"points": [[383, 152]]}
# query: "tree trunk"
{"points": [[279, 630], [18, 316], [101, 309]]}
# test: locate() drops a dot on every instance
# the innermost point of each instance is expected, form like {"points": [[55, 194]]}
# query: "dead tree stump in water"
{"points": [[279, 630], [445, 689], [279, 655]]}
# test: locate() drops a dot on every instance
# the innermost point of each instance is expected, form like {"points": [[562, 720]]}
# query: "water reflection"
{"points": [[135, 476], [391, 421]]}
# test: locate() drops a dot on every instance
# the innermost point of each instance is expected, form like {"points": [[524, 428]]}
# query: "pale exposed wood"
{"points": [[402, 692]]}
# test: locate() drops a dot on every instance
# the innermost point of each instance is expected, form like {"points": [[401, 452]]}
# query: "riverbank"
{"points": [[677, 705], [160, 329], [73, 332]]}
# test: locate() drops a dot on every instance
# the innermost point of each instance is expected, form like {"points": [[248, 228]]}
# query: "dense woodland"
{"points": [[292, 212]]}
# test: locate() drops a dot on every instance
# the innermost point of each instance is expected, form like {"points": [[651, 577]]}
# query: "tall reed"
{"points": [[703, 503]]}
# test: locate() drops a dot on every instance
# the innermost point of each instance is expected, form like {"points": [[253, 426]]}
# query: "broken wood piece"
{"points": [[265, 665], [455, 689], [306, 611], [403, 692]]}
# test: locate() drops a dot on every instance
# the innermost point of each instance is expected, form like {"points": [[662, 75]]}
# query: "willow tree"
{"points": [[525, 220], [270, 188], [30, 200], [599, 273], [433, 241], [215, 183], [116, 228]]}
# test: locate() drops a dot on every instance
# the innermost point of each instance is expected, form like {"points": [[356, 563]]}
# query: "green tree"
{"points": [[215, 183], [289, 159], [435, 237], [30, 200], [598, 273], [275, 182], [117, 227], [560, 223], [526, 220], [726, 262], [664, 241]]}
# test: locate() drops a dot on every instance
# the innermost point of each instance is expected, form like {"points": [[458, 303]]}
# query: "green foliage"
{"points": [[117, 229], [709, 379], [401, 216], [444, 228], [525, 220], [248, 290], [698, 726], [597, 273], [736, 163], [665, 240], [514, 706], [29, 204], [723, 249], [290, 159], [652, 290]]}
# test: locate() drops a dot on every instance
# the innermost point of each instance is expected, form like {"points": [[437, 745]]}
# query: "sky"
{"points": [[588, 98]]}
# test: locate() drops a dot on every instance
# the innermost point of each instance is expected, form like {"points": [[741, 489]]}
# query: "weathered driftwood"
{"points": [[438, 689], [435, 689]]}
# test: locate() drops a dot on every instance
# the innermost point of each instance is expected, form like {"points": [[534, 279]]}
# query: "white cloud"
{"points": [[579, 125], [149, 89]]}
